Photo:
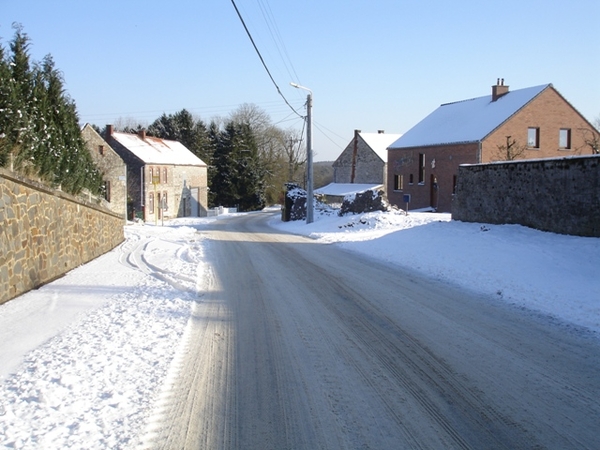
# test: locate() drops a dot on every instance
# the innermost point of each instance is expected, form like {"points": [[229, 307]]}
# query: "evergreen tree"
{"points": [[237, 177], [39, 122], [182, 127], [20, 133], [6, 108]]}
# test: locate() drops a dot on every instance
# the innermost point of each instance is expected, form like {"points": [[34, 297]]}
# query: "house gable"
{"points": [[364, 158], [111, 166]]}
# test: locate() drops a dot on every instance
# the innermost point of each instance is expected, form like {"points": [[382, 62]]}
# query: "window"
{"points": [[410, 179], [150, 171], [157, 174], [564, 138], [533, 137], [101, 150], [398, 182], [421, 168], [165, 175], [106, 190], [165, 205], [151, 202]]}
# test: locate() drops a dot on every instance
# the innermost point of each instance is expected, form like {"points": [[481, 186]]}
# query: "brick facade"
{"points": [[548, 112], [440, 168]]}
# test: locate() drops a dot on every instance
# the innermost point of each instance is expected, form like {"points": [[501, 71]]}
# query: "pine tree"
{"points": [[6, 109], [237, 175], [39, 123], [20, 132], [182, 127]]}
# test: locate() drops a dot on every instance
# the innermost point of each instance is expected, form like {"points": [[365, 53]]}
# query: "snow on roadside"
{"points": [[551, 273], [92, 385], [91, 380]]}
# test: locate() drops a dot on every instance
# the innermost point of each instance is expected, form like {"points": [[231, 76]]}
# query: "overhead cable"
{"points": [[261, 58]]}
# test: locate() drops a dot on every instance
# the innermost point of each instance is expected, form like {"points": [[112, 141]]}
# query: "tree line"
{"points": [[40, 135], [249, 158]]}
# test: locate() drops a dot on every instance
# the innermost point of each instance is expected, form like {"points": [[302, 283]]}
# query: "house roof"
{"points": [[152, 150], [468, 120], [379, 142], [343, 189]]}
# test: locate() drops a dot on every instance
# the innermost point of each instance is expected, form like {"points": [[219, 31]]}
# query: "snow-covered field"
{"points": [[83, 359]]}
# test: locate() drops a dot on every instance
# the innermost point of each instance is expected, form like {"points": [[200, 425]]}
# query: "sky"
{"points": [[85, 361], [372, 66]]}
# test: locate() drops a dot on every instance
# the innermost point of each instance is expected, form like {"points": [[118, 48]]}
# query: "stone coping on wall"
{"points": [[82, 199]]}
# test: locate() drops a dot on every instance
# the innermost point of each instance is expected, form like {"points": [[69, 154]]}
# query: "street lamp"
{"points": [[309, 154]]}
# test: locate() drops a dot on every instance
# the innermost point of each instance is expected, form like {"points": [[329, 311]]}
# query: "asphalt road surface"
{"points": [[300, 345]]}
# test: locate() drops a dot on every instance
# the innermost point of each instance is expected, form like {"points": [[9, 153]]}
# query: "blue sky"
{"points": [[371, 65]]}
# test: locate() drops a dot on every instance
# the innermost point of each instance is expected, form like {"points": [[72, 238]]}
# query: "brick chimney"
{"points": [[108, 132], [380, 131], [499, 89], [142, 134]]}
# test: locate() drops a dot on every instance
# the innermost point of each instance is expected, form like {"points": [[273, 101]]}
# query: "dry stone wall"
{"points": [[45, 233], [560, 195]]}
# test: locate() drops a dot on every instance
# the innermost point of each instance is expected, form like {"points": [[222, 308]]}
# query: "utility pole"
{"points": [[309, 154]]}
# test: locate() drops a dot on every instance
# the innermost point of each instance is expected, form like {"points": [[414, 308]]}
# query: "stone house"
{"points": [[112, 167], [364, 160], [360, 167], [530, 123], [164, 178]]}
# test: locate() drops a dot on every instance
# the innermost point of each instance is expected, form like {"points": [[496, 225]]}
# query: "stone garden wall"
{"points": [[560, 195], [44, 233]]}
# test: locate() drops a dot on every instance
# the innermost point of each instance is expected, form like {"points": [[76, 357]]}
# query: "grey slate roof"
{"points": [[468, 120]]}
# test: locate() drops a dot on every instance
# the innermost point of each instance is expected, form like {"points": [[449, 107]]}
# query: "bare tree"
{"points": [[510, 151], [591, 137], [294, 154]]}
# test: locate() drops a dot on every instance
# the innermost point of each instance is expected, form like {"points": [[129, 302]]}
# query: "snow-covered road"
{"points": [[302, 345], [229, 334]]}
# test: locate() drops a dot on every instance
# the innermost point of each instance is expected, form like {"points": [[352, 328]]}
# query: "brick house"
{"points": [[530, 123], [164, 178], [112, 167]]}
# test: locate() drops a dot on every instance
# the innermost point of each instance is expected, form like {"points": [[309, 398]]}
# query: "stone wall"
{"points": [[45, 233], [560, 195]]}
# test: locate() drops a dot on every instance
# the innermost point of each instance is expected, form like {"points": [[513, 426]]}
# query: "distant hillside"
{"points": [[322, 173]]}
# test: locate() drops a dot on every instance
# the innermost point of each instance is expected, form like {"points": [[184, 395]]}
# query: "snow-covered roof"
{"points": [[379, 142], [468, 120], [343, 189], [154, 150]]}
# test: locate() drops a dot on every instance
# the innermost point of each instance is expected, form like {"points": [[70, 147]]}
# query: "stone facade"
{"points": [[364, 160], [114, 171], [45, 233], [362, 167], [184, 186], [560, 195]]}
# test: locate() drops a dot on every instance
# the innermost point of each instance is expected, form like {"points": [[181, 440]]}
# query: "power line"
{"points": [[261, 58]]}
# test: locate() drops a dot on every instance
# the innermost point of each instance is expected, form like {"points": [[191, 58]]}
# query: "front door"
{"points": [[433, 191]]}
